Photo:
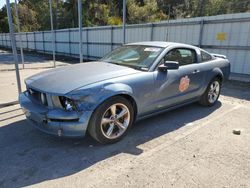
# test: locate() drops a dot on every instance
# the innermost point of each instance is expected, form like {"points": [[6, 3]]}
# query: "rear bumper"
{"points": [[55, 121]]}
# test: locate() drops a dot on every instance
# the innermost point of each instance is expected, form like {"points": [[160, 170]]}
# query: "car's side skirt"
{"points": [[139, 118]]}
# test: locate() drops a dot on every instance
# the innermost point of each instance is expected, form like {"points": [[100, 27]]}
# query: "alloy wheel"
{"points": [[115, 121], [214, 91]]}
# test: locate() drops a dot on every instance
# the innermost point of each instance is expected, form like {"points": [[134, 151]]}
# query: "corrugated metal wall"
{"points": [[223, 34]]}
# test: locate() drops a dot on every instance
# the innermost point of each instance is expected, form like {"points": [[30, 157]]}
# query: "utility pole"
{"points": [[80, 28], [19, 34], [167, 37], [201, 7], [124, 21], [52, 33], [13, 45], [56, 18]]}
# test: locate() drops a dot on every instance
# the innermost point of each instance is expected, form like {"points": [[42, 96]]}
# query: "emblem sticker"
{"points": [[184, 83]]}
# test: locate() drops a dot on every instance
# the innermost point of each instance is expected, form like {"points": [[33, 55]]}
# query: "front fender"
{"points": [[92, 97]]}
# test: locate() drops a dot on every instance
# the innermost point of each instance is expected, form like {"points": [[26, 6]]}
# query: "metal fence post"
{"points": [[34, 40], [43, 41], [152, 32], [1, 40], [52, 33], [201, 32], [27, 42], [69, 42], [124, 21], [167, 33], [18, 29], [6, 40], [111, 37], [13, 44], [80, 28], [55, 41], [87, 42]]}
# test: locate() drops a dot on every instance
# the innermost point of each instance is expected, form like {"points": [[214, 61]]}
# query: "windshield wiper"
{"points": [[133, 66]]}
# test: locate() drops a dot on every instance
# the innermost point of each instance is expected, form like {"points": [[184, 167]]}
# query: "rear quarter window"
{"points": [[205, 56]]}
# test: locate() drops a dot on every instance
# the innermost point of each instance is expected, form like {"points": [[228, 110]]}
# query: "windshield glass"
{"points": [[135, 56]]}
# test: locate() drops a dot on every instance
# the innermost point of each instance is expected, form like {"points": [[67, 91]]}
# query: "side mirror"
{"points": [[168, 65]]}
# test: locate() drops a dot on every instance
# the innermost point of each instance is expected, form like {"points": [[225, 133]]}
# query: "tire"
{"points": [[107, 124], [211, 95]]}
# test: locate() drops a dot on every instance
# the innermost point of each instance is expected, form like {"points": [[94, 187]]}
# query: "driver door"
{"points": [[178, 86]]}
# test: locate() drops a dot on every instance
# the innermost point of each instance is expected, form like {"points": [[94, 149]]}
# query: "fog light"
{"points": [[59, 132]]}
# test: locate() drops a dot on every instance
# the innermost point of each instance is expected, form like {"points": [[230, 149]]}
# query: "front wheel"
{"points": [[212, 93], [111, 120]]}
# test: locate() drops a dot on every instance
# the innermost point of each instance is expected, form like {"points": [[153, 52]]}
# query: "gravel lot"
{"points": [[34, 63], [189, 147]]}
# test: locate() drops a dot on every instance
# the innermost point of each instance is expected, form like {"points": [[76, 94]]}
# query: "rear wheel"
{"points": [[111, 120], [212, 93]]}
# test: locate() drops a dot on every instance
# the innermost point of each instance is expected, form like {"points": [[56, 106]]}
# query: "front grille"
{"points": [[38, 96]]}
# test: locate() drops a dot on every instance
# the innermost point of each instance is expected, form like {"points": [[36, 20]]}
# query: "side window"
{"points": [[205, 56], [184, 56]]}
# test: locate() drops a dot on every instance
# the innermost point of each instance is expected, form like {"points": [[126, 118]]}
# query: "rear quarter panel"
{"points": [[213, 68]]}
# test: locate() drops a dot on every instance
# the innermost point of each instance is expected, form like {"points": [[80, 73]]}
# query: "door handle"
{"points": [[196, 71]]}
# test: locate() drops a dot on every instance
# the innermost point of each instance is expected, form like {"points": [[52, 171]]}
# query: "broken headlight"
{"points": [[68, 104]]}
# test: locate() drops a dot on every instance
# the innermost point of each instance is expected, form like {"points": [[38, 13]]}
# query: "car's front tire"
{"points": [[111, 121], [212, 93]]}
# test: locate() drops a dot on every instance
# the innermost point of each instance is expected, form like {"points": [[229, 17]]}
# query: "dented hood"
{"points": [[65, 79]]}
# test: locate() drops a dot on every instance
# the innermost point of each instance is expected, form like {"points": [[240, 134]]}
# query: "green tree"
{"points": [[144, 11], [4, 20], [71, 11], [28, 19], [34, 14]]}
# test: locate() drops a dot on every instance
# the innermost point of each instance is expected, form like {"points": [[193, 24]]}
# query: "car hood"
{"points": [[65, 79]]}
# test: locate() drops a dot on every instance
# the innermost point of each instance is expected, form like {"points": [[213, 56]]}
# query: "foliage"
{"points": [[4, 27], [34, 14], [148, 11], [114, 20]]}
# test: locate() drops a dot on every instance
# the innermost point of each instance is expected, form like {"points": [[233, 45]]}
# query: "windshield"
{"points": [[135, 56]]}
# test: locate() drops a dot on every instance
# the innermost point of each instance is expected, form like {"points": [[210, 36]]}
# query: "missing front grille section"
{"points": [[38, 96], [56, 102]]}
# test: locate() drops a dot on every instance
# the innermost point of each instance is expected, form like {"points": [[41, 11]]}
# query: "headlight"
{"points": [[68, 104]]}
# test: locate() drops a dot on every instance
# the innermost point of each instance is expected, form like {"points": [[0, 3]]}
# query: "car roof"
{"points": [[162, 44]]}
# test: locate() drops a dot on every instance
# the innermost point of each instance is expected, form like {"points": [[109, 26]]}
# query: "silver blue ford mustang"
{"points": [[132, 82]]}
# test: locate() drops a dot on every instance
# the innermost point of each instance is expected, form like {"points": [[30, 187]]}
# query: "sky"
{"points": [[3, 2]]}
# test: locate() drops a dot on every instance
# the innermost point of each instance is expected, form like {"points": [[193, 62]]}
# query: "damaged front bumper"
{"points": [[57, 122]]}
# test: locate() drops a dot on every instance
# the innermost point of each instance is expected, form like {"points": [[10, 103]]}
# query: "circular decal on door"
{"points": [[184, 83]]}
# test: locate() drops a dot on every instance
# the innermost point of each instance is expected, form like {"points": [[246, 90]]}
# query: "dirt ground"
{"points": [[189, 147], [34, 63]]}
